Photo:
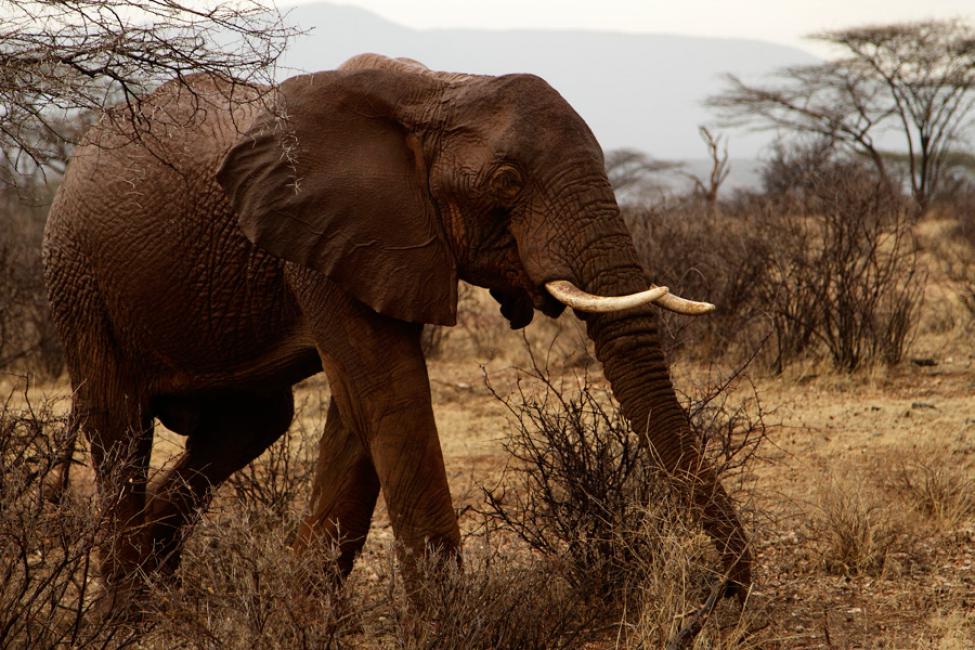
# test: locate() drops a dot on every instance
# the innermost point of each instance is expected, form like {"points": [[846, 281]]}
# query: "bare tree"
{"points": [[917, 79], [718, 155], [62, 58]]}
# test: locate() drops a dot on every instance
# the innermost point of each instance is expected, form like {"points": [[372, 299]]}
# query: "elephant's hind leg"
{"points": [[119, 432], [108, 406], [224, 433], [344, 493]]}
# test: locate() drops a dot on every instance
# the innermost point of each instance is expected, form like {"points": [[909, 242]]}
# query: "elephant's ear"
{"points": [[333, 180]]}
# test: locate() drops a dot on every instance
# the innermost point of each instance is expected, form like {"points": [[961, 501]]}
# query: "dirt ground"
{"points": [[828, 433]]}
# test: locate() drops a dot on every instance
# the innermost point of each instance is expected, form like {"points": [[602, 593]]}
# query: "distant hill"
{"points": [[635, 90]]}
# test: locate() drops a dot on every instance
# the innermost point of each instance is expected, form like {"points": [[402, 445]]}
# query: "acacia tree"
{"points": [[915, 79], [63, 58], [633, 173]]}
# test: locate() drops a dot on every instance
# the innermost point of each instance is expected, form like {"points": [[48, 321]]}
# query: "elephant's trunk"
{"points": [[628, 345]]}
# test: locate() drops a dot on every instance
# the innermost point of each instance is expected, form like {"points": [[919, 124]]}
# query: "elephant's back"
{"points": [[141, 209], [145, 170]]}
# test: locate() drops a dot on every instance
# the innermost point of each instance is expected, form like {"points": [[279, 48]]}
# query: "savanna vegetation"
{"points": [[832, 390]]}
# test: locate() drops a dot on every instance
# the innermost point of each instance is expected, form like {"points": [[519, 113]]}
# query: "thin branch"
{"points": [[60, 59]]}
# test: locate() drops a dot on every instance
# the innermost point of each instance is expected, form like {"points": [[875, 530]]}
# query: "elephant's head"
{"points": [[395, 181]]}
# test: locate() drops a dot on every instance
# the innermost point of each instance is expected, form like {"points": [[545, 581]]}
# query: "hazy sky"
{"points": [[781, 21]]}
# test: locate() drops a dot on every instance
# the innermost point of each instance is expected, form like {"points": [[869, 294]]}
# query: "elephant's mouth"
{"points": [[519, 305], [545, 303]]}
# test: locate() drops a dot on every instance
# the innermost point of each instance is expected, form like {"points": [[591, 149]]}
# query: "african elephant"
{"points": [[202, 264]]}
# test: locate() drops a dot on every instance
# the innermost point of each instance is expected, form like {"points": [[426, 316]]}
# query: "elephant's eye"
{"points": [[506, 183]]}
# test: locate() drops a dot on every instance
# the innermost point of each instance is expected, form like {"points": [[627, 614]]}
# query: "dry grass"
{"points": [[855, 529], [499, 600], [46, 550], [938, 482], [862, 538], [675, 579], [240, 587]]}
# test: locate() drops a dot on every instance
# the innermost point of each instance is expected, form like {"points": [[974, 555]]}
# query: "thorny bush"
{"points": [[828, 266], [47, 550], [582, 488], [27, 336], [957, 254], [277, 482]]}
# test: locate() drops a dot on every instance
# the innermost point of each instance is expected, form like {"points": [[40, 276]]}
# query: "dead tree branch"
{"points": [[60, 59]]}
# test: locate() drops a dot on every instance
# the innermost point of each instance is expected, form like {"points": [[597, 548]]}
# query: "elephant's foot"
{"points": [[125, 588], [429, 572], [125, 602]]}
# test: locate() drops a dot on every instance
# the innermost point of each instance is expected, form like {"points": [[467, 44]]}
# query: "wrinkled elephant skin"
{"points": [[202, 265]]}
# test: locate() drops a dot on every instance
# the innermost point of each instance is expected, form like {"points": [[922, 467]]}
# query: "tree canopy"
{"points": [[916, 80]]}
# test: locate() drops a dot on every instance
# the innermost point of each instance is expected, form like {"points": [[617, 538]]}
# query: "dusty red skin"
{"points": [[196, 276]]}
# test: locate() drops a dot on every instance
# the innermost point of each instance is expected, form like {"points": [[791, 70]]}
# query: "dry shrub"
{"points": [[845, 275], [728, 417], [480, 331], [433, 340], [47, 550], [582, 490], [855, 527], [27, 335], [870, 286], [939, 483], [829, 268], [705, 255], [957, 252], [483, 334], [241, 586], [279, 478], [278, 481], [577, 486], [498, 600]]}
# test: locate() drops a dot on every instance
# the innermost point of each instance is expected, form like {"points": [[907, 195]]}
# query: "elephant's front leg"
{"points": [[343, 494], [408, 459], [379, 383]]}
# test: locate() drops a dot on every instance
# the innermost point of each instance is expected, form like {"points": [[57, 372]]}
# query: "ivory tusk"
{"points": [[673, 302], [572, 296]]}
